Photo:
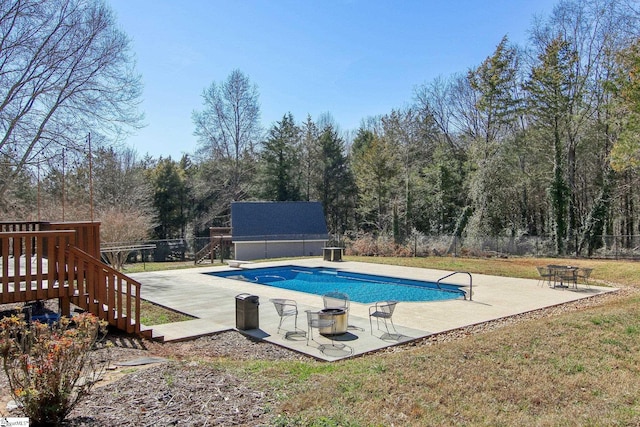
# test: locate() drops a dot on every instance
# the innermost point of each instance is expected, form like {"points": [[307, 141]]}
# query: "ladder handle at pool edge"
{"points": [[459, 272], [257, 278]]}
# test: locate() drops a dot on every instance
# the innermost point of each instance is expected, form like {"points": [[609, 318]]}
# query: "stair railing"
{"points": [[459, 272], [104, 291]]}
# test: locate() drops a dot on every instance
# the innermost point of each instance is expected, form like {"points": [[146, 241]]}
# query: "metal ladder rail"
{"points": [[459, 272]]}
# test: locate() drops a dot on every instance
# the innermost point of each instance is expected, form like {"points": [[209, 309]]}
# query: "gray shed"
{"points": [[277, 229]]}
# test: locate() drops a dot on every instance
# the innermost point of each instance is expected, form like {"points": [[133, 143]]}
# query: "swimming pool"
{"points": [[363, 288]]}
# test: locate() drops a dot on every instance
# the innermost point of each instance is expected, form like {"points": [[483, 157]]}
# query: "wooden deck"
{"points": [[41, 261]]}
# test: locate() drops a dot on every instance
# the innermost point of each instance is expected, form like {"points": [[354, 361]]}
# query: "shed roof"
{"points": [[278, 221]]}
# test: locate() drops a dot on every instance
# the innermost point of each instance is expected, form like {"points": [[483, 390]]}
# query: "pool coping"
{"points": [[211, 300]]}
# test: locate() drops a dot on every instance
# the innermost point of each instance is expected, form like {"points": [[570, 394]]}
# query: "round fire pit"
{"points": [[339, 317]]}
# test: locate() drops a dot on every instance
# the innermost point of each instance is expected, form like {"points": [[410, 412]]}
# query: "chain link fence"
{"points": [[605, 247], [205, 250], [198, 250]]}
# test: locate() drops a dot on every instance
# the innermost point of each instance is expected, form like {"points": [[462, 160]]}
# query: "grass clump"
{"points": [[153, 314]]}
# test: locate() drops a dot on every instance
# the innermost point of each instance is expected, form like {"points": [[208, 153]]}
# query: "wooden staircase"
{"points": [[219, 242], [208, 253], [41, 261]]}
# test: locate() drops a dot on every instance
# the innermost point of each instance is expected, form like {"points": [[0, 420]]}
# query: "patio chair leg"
{"points": [[395, 331], [377, 324], [371, 324]]}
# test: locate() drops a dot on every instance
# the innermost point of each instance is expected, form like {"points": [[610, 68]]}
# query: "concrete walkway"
{"points": [[212, 301]]}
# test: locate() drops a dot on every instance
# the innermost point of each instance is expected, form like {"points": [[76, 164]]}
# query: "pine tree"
{"points": [[548, 88], [334, 184], [494, 83], [376, 168], [170, 198], [281, 161]]}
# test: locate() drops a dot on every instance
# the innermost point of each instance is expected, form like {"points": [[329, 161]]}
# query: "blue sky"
{"points": [[351, 58]]}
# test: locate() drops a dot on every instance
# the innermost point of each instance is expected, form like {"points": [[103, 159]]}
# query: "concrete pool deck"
{"points": [[212, 301]]}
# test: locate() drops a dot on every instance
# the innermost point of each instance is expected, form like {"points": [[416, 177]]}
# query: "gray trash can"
{"points": [[247, 311]]}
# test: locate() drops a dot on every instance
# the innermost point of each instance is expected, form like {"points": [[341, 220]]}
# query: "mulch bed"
{"points": [[186, 390], [174, 393]]}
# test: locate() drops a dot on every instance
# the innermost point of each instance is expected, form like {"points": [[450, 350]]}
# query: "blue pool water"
{"points": [[363, 288]]}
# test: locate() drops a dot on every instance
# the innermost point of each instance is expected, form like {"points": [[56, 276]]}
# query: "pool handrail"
{"points": [[459, 272]]}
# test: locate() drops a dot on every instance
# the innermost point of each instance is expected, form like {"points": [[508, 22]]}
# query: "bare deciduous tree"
{"points": [[228, 130], [124, 202], [229, 123], [65, 70], [434, 100], [122, 227]]}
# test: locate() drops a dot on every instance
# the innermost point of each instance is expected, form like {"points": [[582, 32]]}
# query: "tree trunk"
{"points": [[595, 222]]}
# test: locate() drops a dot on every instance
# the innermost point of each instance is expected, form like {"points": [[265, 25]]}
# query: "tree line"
{"points": [[537, 140]]}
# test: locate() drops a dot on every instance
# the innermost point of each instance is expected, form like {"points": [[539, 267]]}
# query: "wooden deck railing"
{"points": [[48, 264], [30, 261], [113, 297], [20, 225], [87, 233]]}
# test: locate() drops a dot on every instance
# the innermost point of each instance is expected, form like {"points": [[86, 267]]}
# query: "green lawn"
{"points": [[575, 368]]}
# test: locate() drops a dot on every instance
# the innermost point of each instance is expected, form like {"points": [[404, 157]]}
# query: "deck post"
{"points": [[65, 306]]}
